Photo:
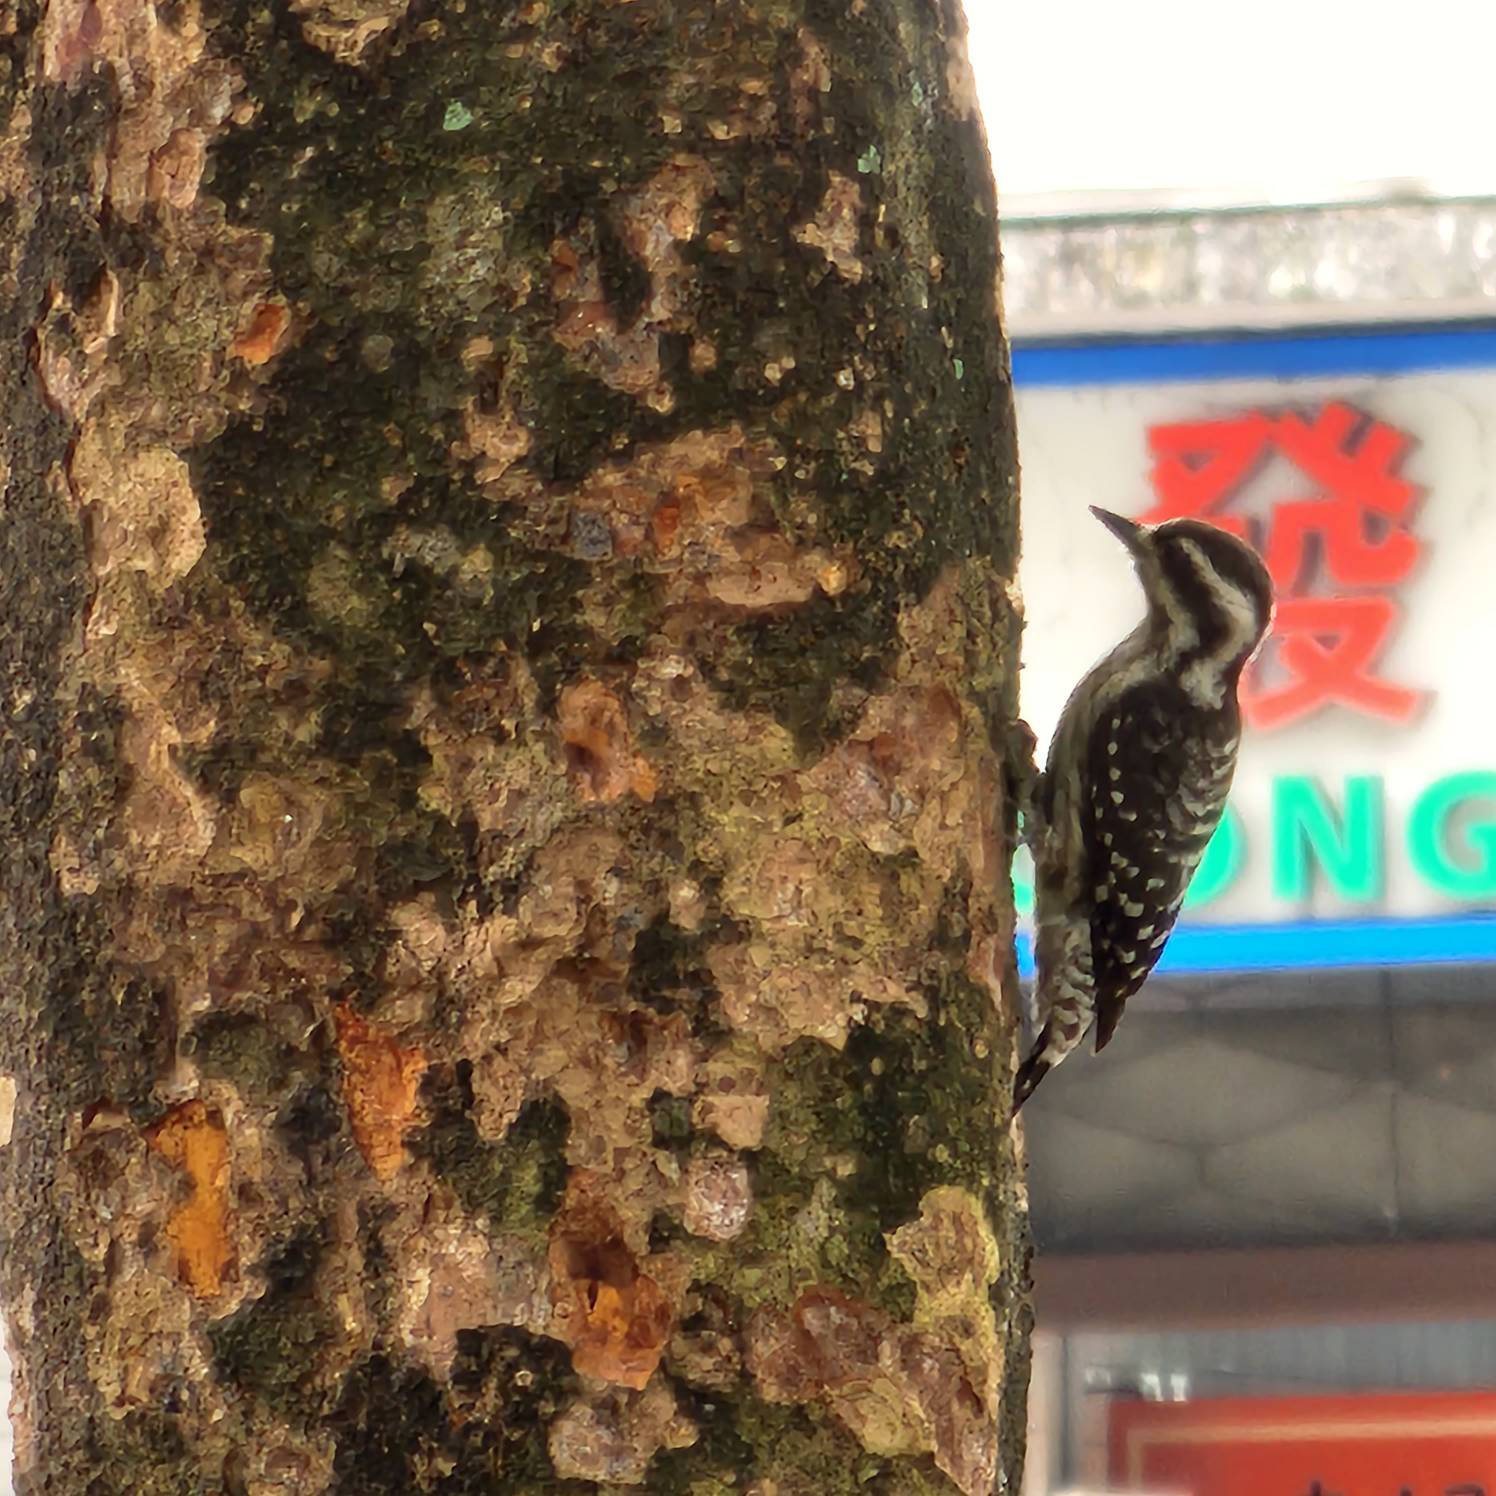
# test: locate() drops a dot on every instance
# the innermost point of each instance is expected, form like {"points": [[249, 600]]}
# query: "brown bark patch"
{"points": [[810, 81], [836, 227], [898, 1390], [699, 512], [901, 781], [732, 1097], [600, 746], [454, 1275], [653, 222], [176, 170], [779, 991], [71, 344], [344, 28], [145, 516], [381, 1080], [960, 80], [493, 439], [761, 571], [613, 1436], [952, 1256], [495, 755], [167, 823], [688, 494], [193, 1138], [717, 1197], [284, 829], [173, 94]]}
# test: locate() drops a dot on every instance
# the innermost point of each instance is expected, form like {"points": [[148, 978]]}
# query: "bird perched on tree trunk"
{"points": [[1137, 778]]}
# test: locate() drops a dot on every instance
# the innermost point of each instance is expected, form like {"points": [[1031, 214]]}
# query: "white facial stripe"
{"points": [[1203, 681], [1183, 635]]}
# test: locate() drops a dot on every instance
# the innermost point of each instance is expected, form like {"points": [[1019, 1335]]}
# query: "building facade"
{"points": [[1266, 1216]]}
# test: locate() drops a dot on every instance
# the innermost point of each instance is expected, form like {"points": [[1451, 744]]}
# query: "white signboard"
{"points": [[1364, 807]]}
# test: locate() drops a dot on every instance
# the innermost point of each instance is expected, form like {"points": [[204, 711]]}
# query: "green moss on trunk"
{"points": [[511, 516]]}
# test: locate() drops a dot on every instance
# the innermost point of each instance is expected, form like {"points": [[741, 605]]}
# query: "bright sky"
{"points": [[1287, 97]]}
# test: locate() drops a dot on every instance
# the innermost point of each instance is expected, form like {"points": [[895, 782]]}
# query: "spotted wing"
{"points": [[1159, 776]]}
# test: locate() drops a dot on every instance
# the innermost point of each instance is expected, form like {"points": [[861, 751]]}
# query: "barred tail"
{"points": [[1065, 994], [1041, 1061]]}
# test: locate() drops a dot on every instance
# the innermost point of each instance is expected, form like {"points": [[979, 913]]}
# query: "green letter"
{"points": [[1023, 882], [1348, 848], [1428, 828]]}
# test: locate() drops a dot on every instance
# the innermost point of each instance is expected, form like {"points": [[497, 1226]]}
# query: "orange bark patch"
{"points": [[600, 753], [664, 525], [381, 1079], [615, 1317], [262, 339], [193, 1138]]}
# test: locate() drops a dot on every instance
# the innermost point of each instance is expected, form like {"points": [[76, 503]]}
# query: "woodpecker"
{"points": [[1136, 779]]}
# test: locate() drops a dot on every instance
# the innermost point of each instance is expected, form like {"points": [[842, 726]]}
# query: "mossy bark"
{"points": [[509, 528]]}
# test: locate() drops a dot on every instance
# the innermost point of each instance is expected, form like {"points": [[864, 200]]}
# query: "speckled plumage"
{"points": [[1136, 781]]}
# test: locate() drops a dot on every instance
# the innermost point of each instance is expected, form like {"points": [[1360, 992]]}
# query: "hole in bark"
{"points": [[584, 764]]}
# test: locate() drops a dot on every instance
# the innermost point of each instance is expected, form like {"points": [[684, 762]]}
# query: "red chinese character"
{"points": [[1328, 646], [1350, 526], [1199, 464], [1350, 557]]}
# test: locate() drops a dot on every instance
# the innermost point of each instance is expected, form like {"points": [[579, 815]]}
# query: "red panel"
{"points": [[1440, 1444]]}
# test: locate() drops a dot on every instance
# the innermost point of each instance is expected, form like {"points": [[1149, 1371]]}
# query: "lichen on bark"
{"points": [[508, 567]]}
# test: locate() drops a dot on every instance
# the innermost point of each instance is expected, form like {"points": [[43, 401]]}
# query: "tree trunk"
{"points": [[508, 539]]}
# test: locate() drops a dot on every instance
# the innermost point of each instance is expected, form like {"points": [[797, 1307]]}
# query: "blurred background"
{"points": [[1250, 275]]}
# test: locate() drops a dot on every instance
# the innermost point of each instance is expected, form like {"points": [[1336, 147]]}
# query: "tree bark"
{"points": [[509, 529]]}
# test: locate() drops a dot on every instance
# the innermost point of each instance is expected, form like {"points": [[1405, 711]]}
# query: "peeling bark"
{"points": [[510, 518]]}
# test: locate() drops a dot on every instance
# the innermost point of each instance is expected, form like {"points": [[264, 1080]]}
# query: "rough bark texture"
{"points": [[509, 521]]}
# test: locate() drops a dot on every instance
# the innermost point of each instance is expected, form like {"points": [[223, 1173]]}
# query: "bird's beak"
{"points": [[1128, 531]]}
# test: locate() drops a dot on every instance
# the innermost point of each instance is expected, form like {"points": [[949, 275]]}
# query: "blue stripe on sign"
{"points": [[1402, 942], [1243, 356]]}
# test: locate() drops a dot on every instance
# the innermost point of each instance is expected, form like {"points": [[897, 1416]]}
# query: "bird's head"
{"points": [[1209, 594]]}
